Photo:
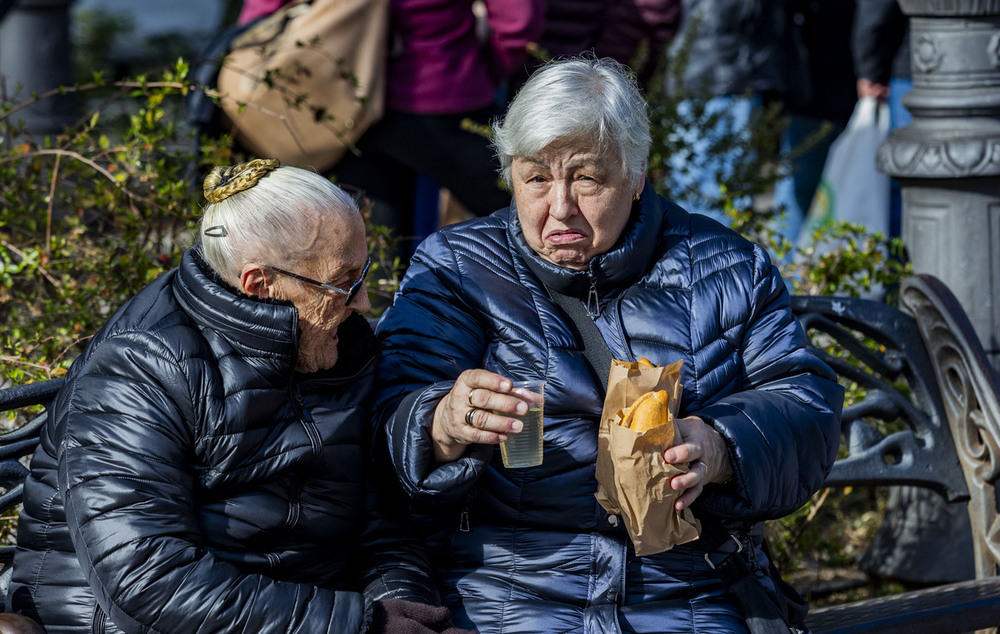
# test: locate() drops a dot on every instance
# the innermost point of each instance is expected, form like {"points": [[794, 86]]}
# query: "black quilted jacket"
{"points": [[189, 481]]}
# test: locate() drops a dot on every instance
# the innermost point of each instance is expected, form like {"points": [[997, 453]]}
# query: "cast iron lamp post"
{"points": [[948, 161]]}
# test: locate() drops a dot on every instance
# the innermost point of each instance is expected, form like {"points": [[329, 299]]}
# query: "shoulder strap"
{"points": [[595, 348]]}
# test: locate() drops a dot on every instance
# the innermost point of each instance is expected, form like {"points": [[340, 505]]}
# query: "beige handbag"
{"points": [[304, 83]]}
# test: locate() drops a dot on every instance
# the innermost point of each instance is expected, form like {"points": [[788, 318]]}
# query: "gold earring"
{"points": [[636, 197]]}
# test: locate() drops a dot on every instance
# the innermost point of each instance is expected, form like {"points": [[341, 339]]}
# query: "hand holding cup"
{"points": [[482, 407]]}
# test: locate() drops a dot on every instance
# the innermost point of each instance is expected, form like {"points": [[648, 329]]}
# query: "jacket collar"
{"points": [[262, 328], [621, 266], [254, 327]]}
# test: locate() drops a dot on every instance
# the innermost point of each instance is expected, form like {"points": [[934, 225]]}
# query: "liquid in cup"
{"points": [[524, 449]]}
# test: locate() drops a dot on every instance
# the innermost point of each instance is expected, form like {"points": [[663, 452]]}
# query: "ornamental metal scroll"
{"points": [[970, 389], [897, 433]]}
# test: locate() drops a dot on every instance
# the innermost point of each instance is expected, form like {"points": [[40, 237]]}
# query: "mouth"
{"points": [[564, 237]]}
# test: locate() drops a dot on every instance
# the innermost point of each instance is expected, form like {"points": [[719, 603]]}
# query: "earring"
{"points": [[636, 197]]}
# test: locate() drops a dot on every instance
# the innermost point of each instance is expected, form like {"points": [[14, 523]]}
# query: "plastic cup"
{"points": [[524, 449]]}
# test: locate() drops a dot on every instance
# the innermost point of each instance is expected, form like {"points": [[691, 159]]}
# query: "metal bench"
{"points": [[921, 365], [14, 446]]}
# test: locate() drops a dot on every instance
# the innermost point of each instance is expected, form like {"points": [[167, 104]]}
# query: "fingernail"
{"points": [[522, 408], [506, 385], [517, 426], [669, 456]]}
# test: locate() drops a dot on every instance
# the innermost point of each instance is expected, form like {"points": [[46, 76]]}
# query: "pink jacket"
{"points": [[437, 62], [438, 65], [253, 9]]}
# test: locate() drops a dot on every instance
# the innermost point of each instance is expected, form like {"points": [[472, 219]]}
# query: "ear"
{"points": [[254, 282], [641, 180]]}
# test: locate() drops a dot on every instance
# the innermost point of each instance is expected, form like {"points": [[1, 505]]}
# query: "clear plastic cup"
{"points": [[524, 449]]}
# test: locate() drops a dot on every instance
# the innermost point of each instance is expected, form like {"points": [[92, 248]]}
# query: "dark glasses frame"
{"points": [[350, 293]]}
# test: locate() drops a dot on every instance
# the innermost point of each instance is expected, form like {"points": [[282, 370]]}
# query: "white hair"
{"points": [[272, 222], [594, 101]]}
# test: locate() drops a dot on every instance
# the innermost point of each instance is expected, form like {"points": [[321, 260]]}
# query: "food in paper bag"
{"points": [[649, 411], [637, 426]]}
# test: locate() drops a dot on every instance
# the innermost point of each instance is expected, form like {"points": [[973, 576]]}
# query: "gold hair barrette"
{"points": [[224, 181]]}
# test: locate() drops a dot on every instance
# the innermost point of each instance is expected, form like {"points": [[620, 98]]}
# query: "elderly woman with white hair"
{"points": [[590, 262], [204, 467]]}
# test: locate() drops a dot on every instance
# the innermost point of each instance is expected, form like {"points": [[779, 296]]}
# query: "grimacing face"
{"points": [[342, 250], [572, 202]]}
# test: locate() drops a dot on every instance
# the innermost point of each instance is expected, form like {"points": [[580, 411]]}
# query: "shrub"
{"points": [[91, 215]]}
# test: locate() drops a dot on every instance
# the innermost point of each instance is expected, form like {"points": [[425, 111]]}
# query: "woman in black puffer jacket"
{"points": [[204, 467]]}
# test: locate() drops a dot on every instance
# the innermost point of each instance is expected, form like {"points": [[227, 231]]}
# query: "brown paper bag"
{"points": [[632, 477]]}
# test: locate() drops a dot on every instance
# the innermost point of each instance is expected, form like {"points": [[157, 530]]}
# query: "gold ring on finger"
{"points": [[471, 404]]}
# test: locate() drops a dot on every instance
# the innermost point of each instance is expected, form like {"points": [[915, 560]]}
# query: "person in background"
{"points": [[880, 45], [737, 55], [204, 467], [446, 62], [633, 32], [487, 302], [820, 37], [442, 71]]}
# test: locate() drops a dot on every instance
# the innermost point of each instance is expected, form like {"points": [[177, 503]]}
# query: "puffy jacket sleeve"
{"points": [[397, 565], [783, 431], [420, 366], [125, 476]]}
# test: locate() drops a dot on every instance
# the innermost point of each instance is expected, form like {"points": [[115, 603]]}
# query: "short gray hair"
{"points": [[271, 222], [596, 101]]}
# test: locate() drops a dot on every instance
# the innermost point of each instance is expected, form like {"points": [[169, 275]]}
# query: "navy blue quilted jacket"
{"points": [[531, 550], [188, 480]]}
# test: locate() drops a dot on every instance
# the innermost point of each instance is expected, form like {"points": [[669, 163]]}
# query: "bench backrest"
{"points": [[921, 365]]}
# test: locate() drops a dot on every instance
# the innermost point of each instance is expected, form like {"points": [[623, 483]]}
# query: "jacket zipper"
{"points": [[593, 300], [309, 426], [308, 423], [464, 524], [99, 625]]}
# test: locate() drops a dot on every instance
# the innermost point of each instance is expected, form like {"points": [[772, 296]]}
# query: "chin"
{"points": [[574, 261], [316, 363]]}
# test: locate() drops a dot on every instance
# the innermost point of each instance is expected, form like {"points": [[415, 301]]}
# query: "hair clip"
{"points": [[223, 182], [218, 231]]}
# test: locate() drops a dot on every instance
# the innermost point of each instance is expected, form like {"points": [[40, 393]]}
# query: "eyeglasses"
{"points": [[350, 292]]}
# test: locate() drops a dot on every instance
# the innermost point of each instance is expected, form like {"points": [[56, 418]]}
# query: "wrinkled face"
{"points": [[341, 254], [572, 203]]}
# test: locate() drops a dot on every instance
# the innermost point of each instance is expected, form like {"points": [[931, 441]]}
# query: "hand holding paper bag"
{"points": [[632, 475]]}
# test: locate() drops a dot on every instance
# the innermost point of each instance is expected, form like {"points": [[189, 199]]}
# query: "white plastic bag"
{"points": [[851, 188]]}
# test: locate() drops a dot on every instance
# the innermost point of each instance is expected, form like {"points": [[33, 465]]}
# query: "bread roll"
{"points": [[648, 411]]}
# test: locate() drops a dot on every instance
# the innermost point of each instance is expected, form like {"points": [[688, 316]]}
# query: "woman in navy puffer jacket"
{"points": [[203, 468], [530, 550]]}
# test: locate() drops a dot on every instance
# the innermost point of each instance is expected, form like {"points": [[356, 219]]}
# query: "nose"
{"points": [[562, 204], [360, 302]]}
